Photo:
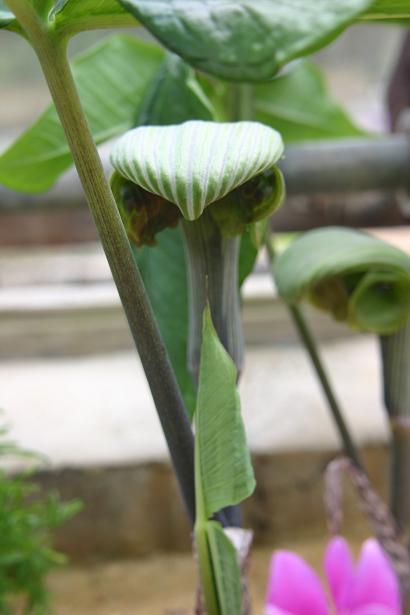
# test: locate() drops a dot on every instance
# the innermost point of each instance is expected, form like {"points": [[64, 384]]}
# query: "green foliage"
{"points": [[112, 79], [224, 475], [245, 40], [223, 472], [26, 554], [298, 105], [175, 81], [69, 17], [197, 163], [164, 273], [358, 279], [389, 9]]}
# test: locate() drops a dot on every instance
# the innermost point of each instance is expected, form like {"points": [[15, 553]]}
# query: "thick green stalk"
{"points": [[309, 343], [154, 358], [395, 350], [212, 263]]}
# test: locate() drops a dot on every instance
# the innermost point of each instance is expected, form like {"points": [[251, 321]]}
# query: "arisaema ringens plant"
{"points": [[225, 69], [217, 179], [365, 283]]}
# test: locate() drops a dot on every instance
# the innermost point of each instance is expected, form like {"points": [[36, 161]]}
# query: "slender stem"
{"points": [[242, 100], [395, 352], [309, 343], [154, 358]]}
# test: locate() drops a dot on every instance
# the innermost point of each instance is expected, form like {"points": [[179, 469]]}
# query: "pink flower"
{"points": [[368, 588]]}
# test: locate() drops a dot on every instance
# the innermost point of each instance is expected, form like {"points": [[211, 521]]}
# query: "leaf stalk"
{"points": [[309, 343], [395, 352], [166, 394]]}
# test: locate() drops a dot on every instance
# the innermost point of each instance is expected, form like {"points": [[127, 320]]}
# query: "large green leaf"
{"points": [[358, 279], [389, 9], [72, 16], [245, 40], [196, 163], [112, 79], [299, 106], [164, 273], [176, 82], [223, 469]]}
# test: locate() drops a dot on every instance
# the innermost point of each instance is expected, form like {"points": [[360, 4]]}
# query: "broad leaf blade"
{"points": [[298, 105], [226, 570], [196, 163], [358, 279], [245, 40], [122, 68], [72, 16], [164, 273], [224, 474], [176, 82], [389, 9]]}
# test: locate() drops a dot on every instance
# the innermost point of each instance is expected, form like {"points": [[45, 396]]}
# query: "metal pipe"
{"points": [[351, 165]]}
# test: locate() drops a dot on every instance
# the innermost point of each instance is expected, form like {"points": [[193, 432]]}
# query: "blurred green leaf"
{"points": [[164, 273], [176, 82], [112, 79], [223, 468], [71, 16], [27, 518], [358, 279], [245, 40], [299, 106], [389, 9]]}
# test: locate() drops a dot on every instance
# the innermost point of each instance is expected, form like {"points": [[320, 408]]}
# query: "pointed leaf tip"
{"points": [[196, 163], [224, 474]]}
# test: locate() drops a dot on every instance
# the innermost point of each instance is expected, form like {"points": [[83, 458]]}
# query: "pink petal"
{"points": [[339, 571], [294, 587], [272, 610], [375, 580], [372, 609]]}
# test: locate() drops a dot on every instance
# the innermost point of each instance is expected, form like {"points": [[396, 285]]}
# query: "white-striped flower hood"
{"points": [[196, 163]]}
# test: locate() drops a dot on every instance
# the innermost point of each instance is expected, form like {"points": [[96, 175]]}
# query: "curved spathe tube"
{"points": [[358, 279]]}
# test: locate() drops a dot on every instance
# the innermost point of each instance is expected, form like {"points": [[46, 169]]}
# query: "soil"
{"points": [[160, 585]]}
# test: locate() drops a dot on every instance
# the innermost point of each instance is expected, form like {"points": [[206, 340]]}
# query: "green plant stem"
{"points": [[212, 263], [154, 358], [395, 351], [242, 107], [309, 343]]}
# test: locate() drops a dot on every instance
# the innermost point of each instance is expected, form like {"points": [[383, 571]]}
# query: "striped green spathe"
{"points": [[196, 163]]}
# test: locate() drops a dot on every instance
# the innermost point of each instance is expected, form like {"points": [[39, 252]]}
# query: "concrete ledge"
{"points": [[137, 510]]}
